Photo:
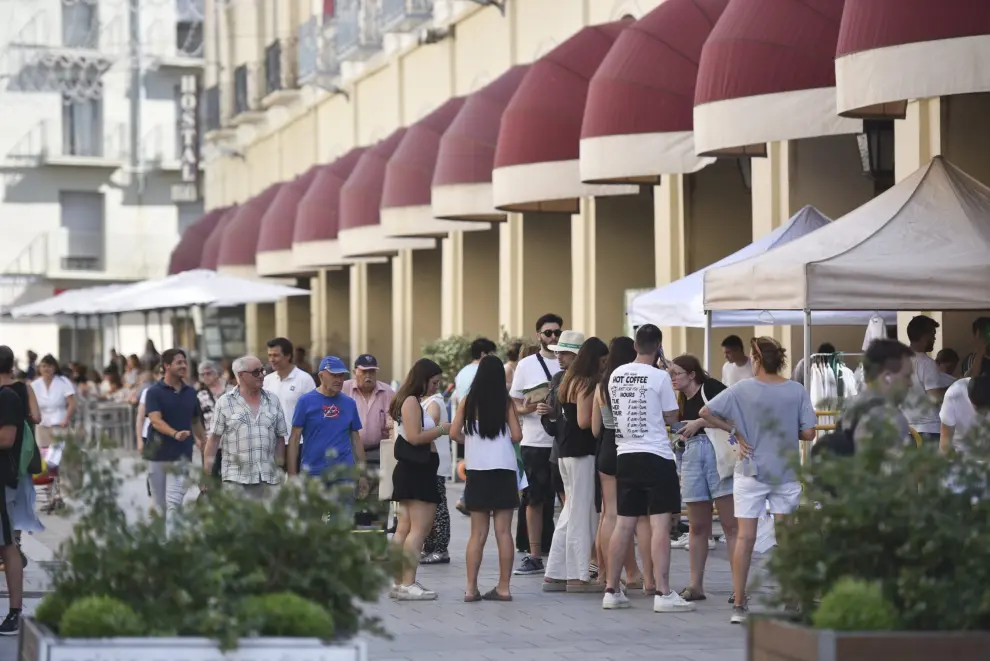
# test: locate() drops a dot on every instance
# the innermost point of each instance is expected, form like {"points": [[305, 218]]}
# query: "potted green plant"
{"points": [[890, 558], [251, 579]]}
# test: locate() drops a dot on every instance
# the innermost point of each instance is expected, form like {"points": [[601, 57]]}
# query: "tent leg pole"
{"points": [[101, 360], [805, 448], [116, 331], [161, 330], [708, 340], [147, 330], [74, 346]]}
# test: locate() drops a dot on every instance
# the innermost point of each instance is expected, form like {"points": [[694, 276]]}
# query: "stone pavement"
{"points": [[536, 626]]}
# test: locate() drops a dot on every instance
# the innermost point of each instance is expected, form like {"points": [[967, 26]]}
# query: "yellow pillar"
{"points": [[380, 320], [358, 306], [259, 322], [510, 276], [917, 139], [317, 314], [402, 303], [670, 238], [452, 285], [583, 269]]}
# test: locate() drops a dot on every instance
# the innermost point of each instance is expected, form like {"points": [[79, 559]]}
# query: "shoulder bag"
{"points": [[414, 454], [726, 449]]}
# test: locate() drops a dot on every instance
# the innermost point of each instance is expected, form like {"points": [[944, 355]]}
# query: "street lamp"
{"points": [[876, 152]]}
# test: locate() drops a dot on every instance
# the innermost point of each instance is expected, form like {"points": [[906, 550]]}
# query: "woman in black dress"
{"points": [[414, 479]]}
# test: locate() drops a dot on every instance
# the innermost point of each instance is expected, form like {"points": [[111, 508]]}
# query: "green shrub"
{"points": [[855, 605], [100, 617], [453, 352], [285, 615], [49, 612], [888, 516]]}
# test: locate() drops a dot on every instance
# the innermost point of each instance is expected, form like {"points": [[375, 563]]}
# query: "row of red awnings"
{"points": [[615, 106]]}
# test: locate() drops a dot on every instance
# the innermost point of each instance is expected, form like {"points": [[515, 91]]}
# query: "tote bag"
{"points": [[726, 449]]}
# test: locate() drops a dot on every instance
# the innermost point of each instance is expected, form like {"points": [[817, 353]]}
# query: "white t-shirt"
{"points": [[54, 401], [488, 454], [529, 373], [640, 395], [147, 421], [289, 390], [733, 374], [958, 412], [923, 415]]}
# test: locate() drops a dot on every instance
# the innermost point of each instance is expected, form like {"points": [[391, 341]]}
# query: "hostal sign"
{"points": [[188, 189]]}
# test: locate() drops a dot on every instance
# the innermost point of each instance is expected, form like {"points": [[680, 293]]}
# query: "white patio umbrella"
{"points": [[71, 302]]}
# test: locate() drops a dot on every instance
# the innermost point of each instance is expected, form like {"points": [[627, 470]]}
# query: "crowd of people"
{"points": [[622, 438]]}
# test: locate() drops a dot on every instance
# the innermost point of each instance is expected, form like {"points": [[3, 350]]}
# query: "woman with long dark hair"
{"points": [[573, 539], [487, 424], [621, 351], [414, 479], [701, 486]]}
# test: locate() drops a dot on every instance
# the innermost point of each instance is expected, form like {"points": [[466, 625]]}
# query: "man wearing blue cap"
{"points": [[329, 420]]}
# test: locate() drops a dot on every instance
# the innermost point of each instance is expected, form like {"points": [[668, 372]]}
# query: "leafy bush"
{"points": [[855, 605], [453, 352], [908, 520], [100, 617], [285, 615], [49, 612], [225, 549]]}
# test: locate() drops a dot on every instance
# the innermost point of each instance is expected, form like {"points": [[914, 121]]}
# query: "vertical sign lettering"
{"points": [[188, 189]]}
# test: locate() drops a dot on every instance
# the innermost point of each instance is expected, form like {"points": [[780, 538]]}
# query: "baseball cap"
{"points": [[366, 362], [333, 365], [570, 341]]}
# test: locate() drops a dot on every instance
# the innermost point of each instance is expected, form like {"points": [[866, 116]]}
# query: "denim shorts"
{"points": [[699, 473]]}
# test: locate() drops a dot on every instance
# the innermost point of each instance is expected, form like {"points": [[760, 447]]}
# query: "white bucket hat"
{"points": [[570, 342]]}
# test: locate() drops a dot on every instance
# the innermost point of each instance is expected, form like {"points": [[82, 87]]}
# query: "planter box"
{"points": [[778, 640], [37, 643]]}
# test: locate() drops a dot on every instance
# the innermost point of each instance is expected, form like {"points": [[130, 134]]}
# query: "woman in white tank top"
{"points": [[487, 424], [436, 543]]}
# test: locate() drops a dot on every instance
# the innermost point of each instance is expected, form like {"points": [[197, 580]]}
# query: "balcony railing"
{"points": [[357, 29], [316, 58], [273, 67], [211, 112], [81, 25], [404, 15], [101, 255], [72, 142]]}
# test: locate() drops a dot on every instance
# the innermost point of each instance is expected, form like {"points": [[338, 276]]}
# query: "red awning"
{"points": [[360, 231], [211, 247], [767, 74], [462, 179], [279, 222], [639, 117], [536, 161], [317, 216], [239, 246], [890, 51], [188, 254]]}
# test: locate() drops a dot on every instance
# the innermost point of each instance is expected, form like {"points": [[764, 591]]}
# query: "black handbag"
{"points": [[414, 454]]}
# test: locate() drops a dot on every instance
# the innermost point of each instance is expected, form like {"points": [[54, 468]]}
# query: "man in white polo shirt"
{"points": [[537, 444], [287, 382]]}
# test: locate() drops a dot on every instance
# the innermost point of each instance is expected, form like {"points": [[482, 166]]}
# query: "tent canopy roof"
{"points": [[922, 245], [681, 303]]}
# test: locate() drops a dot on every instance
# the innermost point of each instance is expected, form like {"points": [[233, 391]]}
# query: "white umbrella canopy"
{"points": [[681, 303], [69, 302], [191, 288]]}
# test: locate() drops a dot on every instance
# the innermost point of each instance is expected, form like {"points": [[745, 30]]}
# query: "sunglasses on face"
{"points": [[551, 333], [258, 373]]}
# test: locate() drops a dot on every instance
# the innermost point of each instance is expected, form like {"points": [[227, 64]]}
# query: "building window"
{"points": [[273, 67], [211, 108], [82, 127], [80, 25], [241, 89], [189, 28], [82, 235]]}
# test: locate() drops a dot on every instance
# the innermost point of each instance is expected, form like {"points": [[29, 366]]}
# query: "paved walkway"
{"points": [[536, 626]]}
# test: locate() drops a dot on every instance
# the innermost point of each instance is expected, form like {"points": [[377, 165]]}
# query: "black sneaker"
{"points": [[529, 566], [11, 625]]}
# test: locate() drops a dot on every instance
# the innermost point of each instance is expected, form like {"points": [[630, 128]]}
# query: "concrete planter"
{"points": [[777, 640], [37, 643]]}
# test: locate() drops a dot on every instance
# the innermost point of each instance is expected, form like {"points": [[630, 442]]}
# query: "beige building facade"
{"points": [[428, 168]]}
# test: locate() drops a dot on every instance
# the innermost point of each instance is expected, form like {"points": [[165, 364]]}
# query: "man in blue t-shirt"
{"points": [[329, 420]]}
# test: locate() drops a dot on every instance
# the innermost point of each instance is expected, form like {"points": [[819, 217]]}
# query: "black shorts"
{"points": [[606, 452], [536, 463], [7, 536], [646, 484], [491, 490]]}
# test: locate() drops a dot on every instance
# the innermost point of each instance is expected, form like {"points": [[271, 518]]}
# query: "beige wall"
{"points": [[624, 257], [336, 128], [475, 67], [543, 24], [379, 319], [546, 268], [378, 106], [422, 93], [426, 266]]}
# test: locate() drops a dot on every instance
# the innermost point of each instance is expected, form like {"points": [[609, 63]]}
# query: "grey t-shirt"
{"points": [[869, 412], [769, 416]]}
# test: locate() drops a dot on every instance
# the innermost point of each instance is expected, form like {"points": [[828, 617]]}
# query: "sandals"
{"points": [[434, 559], [471, 598], [493, 595], [554, 585], [690, 594], [632, 585]]}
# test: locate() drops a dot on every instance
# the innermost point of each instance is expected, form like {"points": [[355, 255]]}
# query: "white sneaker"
{"points": [[671, 603], [711, 543], [393, 591], [615, 600], [414, 592], [681, 542]]}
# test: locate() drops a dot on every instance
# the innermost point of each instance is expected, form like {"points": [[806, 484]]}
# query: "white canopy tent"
{"points": [[681, 303], [71, 302], [922, 245]]}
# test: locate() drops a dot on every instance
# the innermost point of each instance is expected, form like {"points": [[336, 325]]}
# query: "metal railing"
{"points": [[404, 15], [70, 139], [357, 28], [65, 252], [103, 419], [316, 58]]}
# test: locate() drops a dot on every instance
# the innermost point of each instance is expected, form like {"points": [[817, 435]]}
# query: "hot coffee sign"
{"points": [[188, 189]]}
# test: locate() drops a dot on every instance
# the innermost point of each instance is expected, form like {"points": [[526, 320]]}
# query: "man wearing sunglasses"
{"points": [[533, 372]]}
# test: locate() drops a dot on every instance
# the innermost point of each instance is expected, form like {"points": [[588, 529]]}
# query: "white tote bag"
{"points": [[726, 451]]}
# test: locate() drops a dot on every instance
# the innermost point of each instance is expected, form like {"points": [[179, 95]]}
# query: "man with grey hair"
{"points": [[249, 427]]}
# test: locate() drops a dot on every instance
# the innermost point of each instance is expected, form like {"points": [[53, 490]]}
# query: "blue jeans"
{"points": [[700, 481]]}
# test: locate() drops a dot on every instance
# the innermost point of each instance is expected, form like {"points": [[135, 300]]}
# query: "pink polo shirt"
{"points": [[373, 411]]}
